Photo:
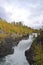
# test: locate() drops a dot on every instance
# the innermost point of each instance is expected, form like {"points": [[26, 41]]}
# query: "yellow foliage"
{"points": [[4, 35], [9, 28]]}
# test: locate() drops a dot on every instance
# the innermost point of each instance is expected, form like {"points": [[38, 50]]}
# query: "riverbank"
{"points": [[34, 55]]}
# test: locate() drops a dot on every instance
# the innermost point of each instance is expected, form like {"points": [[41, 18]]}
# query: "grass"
{"points": [[4, 35], [13, 28]]}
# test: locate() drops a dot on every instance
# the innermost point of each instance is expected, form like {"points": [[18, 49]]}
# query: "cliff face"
{"points": [[6, 47], [34, 55]]}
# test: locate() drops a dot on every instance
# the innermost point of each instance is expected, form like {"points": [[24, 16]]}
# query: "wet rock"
{"points": [[5, 47]]}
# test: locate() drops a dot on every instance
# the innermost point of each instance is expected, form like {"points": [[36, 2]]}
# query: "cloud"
{"points": [[29, 11], [3, 13]]}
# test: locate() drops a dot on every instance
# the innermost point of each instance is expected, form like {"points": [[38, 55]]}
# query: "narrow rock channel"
{"points": [[18, 58]]}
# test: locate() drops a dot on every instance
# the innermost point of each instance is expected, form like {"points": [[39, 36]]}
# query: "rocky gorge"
{"points": [[7, 44]]}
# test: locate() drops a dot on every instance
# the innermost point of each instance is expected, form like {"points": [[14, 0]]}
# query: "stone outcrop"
{"points": [[6, 47], [34, 55]]}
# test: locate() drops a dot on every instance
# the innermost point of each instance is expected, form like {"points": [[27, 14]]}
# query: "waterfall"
{"points": [[18, 58]]}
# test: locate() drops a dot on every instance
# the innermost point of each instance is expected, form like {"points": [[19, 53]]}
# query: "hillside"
{"points": [[10, 28]]}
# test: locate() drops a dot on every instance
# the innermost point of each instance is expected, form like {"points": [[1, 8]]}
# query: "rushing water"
{"points": [[18, 58]]}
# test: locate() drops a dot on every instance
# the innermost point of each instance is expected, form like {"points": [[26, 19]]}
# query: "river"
{"points": [[18, 58]]}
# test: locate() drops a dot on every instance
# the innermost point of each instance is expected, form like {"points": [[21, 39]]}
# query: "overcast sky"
{"points": [[30, 12]]}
